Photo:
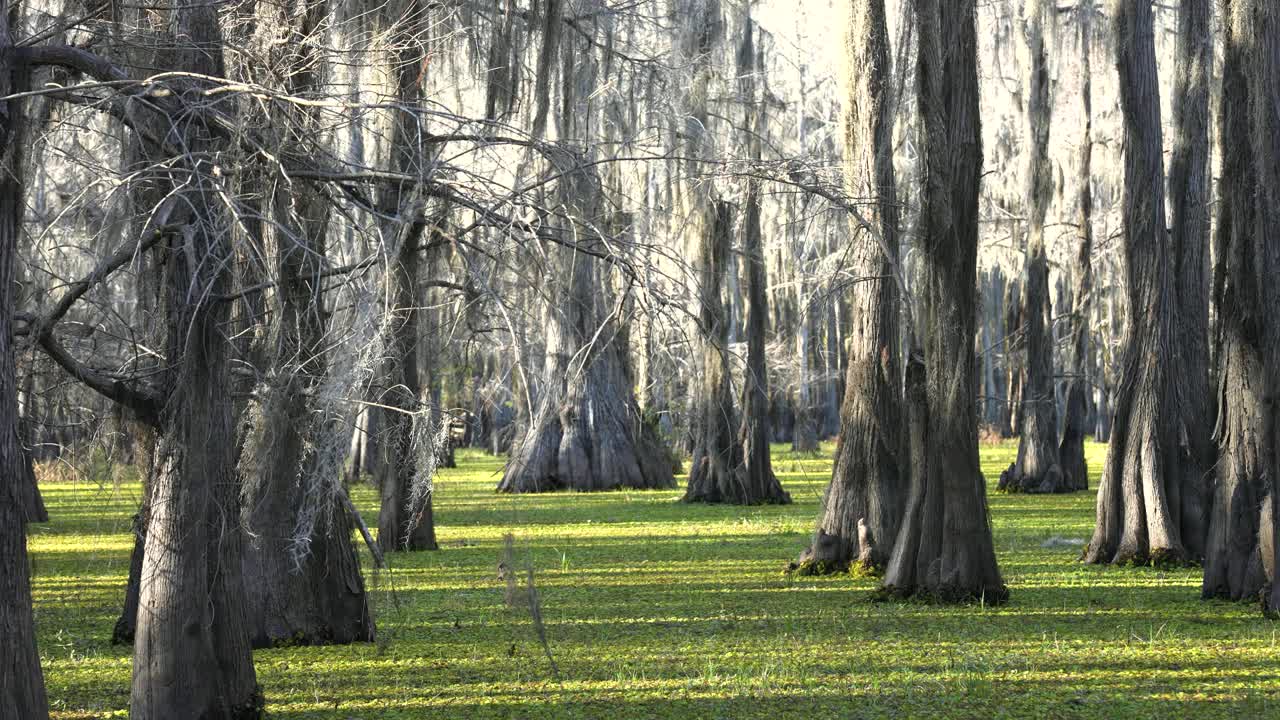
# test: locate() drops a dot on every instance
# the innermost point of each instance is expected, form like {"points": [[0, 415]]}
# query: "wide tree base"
{"points": [[561, 453], [945, 595], [717, 484], [1157, 558], [828, 556], [1053, 481]]}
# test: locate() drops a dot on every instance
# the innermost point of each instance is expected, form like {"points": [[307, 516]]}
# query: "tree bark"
{"points": [[867, 483], [144, 459], [1014, 341], [757, 468], [405, 520], [586, 430], [1075, 470], [1036, 468], [1138, 518], [316, 595], [191, 655], [22, 692], [758, 481], [1266, 82], [1189, 235], [1233, 566], [944, 549], [717, 470]]}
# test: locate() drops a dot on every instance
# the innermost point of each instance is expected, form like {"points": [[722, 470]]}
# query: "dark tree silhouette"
{"points": [[944, 549]]}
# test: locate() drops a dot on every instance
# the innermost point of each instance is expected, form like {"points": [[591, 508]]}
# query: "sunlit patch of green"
{"points": [[653, 608]]}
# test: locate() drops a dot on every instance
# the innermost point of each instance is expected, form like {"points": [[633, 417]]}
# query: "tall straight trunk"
{"points": [[804, 435], [716, 472], [758, 481], [1264, 81], [1075, 470], [1232, 562], [992, 392], [191, 654], [1138, 517], [757, 470], [586, 432], [405, 519], [148, 291], [1036, 468], [863, 502], [1189, 235], [944, 549], [1014, 341], [717, 454], [317, 595], [22, 693]]}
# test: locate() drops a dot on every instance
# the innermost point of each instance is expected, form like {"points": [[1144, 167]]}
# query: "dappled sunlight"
{"points": [[657, 608]]}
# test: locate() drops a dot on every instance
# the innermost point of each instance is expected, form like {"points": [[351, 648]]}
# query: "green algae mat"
{"points": [[653, 609]]}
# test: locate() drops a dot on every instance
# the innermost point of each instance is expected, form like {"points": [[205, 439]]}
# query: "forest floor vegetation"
{"points": [[653, 608]]}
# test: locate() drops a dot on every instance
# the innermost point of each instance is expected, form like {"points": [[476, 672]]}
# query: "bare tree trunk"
{"points": [[1075, 470], [315, 596], [1036, 468], [1138, 518], [1233, 567], [586, 432], [22, 692], [1189, 235], [716, 470], [944, 549], [760, 484], [1263, 20], [863, 502], [405, 523], [717, 454], [1013, 344], [144, 459], [804, 434], [191, 655]]}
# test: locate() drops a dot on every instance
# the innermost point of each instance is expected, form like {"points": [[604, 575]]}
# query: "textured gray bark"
{"points": [[1036, 468], [1013, 355], [717, 454], [760, 484], [144, 459], [1138, 517], [586, 431], [757, 470], [191, 654], [1233, 566], [1075, 470], [320, 599], [400, 525], [944, 549], [863, 502], [1263, 18], [22, 692], [1189, 236]]}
